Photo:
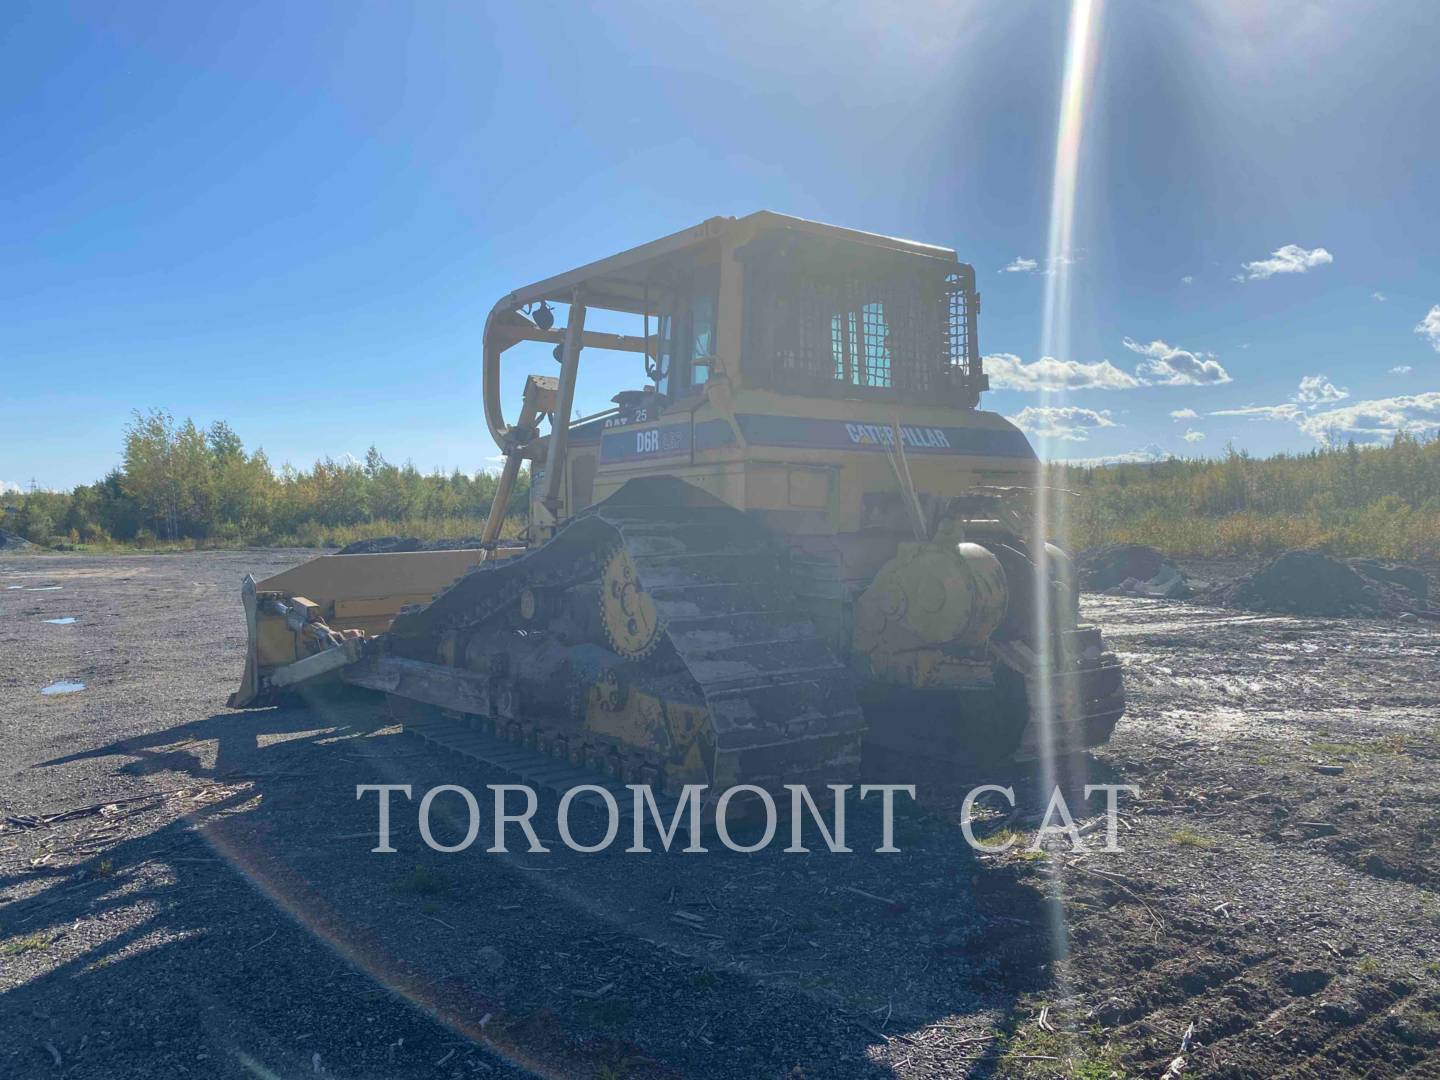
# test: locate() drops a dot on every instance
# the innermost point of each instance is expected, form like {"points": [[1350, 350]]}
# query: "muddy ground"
{"points": [[211, 907]]}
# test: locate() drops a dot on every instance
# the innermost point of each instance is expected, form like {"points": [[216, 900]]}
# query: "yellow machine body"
{"points": [[801, 511], [927, 617]]}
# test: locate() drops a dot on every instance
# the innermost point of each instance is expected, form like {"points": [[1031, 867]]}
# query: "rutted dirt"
{"points": [[1277, 887]]}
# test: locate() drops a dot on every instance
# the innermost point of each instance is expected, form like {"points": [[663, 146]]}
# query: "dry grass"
{"points": [[313, 536], [1192, 838], [1382, 501], [1379, 533]]}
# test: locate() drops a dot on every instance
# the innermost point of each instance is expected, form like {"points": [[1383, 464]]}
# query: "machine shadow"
{"points": [[565, 964]]}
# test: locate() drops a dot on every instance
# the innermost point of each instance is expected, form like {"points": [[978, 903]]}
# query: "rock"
{"points": [[10, 542], [1329, 770], [1172, 587], [1132, 570]]}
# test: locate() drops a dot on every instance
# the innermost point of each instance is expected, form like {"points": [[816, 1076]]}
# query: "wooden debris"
{"points": [[869, 895], [1177, 1063], [592, 995]]}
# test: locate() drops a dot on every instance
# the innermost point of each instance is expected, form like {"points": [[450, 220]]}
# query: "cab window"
{"points": [[685, 347], [665, 352], [702, 326]]}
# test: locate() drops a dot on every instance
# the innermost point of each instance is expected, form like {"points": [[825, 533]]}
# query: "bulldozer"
{"points": [[798, 543]]}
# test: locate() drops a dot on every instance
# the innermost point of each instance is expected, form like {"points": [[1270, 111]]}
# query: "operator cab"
{"points": [[800, 324]]}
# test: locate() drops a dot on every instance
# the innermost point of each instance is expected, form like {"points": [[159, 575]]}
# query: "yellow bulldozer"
{"points": [[800, 539]]}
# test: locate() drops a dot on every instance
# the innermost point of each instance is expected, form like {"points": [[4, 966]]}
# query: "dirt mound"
{"points": [[11, 542], [1131, 569], [384, 545], [1396, 575], [1312, 583]]}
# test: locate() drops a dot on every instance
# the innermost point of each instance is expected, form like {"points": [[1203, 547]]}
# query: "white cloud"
{"points": [[1319, 390], [1184, 414], [1401, 369], [6, 487], [1172, 366], [1193, 436], [1376, 421], [1008, 372], [1022, 265], [1188, 279], [1429, 327], [1145, 455], [1380, 296], [1061, 422], [1290, 259], [1264, 412]]}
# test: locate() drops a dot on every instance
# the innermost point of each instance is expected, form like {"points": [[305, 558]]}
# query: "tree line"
{"points": [[1382, 501], [186, 484], [179, 482]]}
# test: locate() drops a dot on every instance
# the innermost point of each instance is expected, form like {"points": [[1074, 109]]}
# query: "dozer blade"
{"points": [[309, 622]]}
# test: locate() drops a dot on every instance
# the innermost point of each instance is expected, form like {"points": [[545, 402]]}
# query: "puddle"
{"points": [[62, 687], [43, 588], [66, 621]]}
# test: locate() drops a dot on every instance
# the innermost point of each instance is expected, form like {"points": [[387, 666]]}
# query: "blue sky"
{"points": [[295, 216]]}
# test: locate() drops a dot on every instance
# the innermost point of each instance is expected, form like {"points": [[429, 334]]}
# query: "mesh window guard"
{"points": [[888, 328]]}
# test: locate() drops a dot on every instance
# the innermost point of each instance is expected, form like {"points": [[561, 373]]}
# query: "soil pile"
{"points": [[1131, 570], [11, 542], [384, 545], [1312, 583], [1396, 575]]}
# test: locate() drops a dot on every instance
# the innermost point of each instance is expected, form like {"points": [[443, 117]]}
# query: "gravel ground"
{"points": [[210, 905]]}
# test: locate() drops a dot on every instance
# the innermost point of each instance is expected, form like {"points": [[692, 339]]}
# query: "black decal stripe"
{"points": [[672, 440], [809, 433], [712, 434]]}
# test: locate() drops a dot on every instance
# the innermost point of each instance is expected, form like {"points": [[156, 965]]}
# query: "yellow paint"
{"points": [[631, 620], [932, 595], [668, 731]]}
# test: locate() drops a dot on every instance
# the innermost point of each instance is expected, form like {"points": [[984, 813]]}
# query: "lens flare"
{"points": [[1051, 512]]}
